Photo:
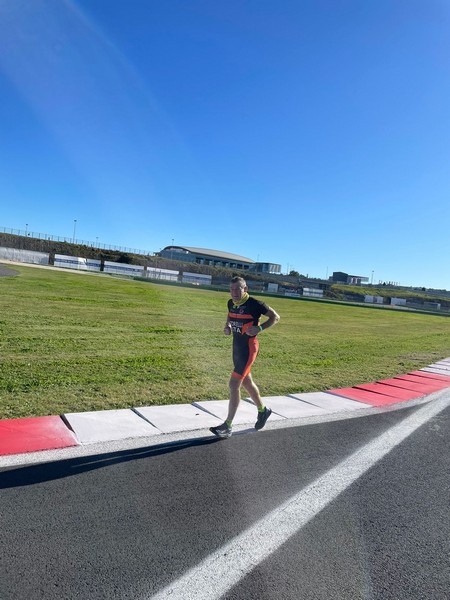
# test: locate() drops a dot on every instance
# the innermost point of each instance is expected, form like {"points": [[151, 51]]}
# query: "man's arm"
{"points": [[227, 328], [272, 318]]}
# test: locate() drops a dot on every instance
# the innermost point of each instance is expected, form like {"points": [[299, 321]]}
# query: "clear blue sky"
{"points": [[314, 134]]}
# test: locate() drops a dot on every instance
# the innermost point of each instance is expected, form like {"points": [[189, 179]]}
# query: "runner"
{"points": [[244, 313]]}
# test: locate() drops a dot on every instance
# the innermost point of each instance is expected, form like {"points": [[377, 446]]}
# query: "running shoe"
{"points": [[262, 418], [222, 431]]}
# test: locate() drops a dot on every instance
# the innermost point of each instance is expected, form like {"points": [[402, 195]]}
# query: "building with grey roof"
{"points": [[217, 258], [340, 277]]}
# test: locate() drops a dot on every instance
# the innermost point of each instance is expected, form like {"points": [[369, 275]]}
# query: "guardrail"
{"points": [[71, 240]]}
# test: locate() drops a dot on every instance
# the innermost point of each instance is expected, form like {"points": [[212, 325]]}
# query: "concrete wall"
{"points": [[76, 262], [25, 256]]}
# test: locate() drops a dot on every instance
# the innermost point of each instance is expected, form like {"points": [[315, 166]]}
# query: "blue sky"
{"points": [[314, 134]]}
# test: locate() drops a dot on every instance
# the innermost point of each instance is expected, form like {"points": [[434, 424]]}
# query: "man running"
{"points": [[244, 313]]}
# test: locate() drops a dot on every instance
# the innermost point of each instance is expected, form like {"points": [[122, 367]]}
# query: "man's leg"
{"points": [[225, 429], [263, 411], [252, 390], [235, 397]]}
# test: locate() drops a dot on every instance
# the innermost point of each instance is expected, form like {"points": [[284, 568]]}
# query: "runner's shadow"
{"points": [[32, 474]]}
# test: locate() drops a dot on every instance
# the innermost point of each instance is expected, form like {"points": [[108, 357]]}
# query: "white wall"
{"points": [[123, 269], [165, 274], [197, 278], [76, 262], [373, 299], [25, 256], [313, 292], [398, 301]]}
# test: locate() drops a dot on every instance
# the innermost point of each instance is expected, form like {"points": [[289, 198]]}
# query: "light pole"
{"points": [[74, 229], [26, 229], [371, 283]]}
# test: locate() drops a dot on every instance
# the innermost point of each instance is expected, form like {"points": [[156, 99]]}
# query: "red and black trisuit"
{"points": [[245, 348]]}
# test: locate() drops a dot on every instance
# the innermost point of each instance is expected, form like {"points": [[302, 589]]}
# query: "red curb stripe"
{"points": [[427, 375], [388, 390], [33, 434], [373, 398], [439, 385], [409, 385]]}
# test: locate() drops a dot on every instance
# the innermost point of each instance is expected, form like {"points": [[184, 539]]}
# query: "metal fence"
{"points": [[73, 240]]}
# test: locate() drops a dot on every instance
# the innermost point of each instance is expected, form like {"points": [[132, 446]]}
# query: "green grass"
{"points": [[77, 342]]}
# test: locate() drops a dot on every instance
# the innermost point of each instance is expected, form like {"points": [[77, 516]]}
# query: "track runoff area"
{"points": [[81, 430]]}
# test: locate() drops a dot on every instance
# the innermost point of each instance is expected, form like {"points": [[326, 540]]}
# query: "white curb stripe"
{"points": [[219, 572]]}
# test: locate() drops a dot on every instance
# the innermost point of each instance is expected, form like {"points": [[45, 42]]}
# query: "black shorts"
{"points": [[245, 351]]}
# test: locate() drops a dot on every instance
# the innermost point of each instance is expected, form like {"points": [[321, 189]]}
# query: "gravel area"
{"points": [[7, 271]]}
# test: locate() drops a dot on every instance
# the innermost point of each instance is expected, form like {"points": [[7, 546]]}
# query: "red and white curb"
{"points": [[18, 436]]}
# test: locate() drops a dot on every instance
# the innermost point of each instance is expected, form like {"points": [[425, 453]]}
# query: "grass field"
{"points": [[77, 342]]}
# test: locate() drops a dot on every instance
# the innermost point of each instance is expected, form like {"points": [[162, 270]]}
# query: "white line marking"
{"points": [[219, 572]]}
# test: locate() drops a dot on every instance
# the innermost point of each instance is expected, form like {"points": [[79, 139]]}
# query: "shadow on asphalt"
{"points": [[22, 476]]}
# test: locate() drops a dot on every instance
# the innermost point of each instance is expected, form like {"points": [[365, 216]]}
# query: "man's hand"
{"points": [[227, 329], [253, 330]]}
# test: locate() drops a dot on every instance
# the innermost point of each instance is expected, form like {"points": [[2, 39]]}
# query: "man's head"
{"points": [[238, 288]]}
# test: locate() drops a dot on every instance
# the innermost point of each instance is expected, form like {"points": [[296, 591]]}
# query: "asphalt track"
{"points": [[348, 500], [132, 523]]}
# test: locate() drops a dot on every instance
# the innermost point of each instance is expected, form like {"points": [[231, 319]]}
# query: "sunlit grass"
{"points": [[72, 342]]}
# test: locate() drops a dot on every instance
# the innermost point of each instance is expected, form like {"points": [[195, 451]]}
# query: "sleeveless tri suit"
{"points": [[245, 348]]}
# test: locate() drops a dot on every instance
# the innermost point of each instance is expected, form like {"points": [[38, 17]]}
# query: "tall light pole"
{"points": [[371, 283], [74, 229], [26, 229]]}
